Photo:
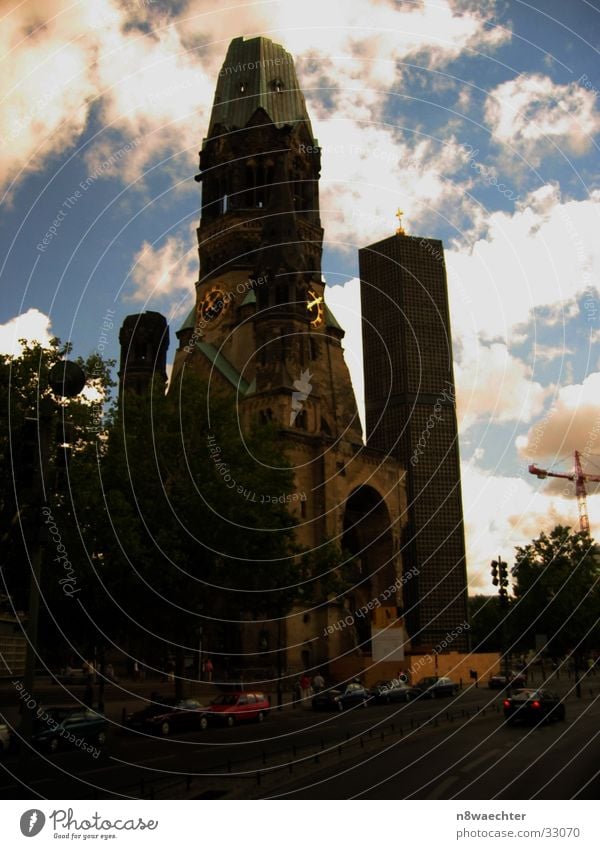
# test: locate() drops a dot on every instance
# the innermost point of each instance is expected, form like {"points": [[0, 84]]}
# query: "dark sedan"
{"points": [[162, 716], [341, 697], [433, 687], [515, 679], [533, 706], [69, 727], [385, 692]]}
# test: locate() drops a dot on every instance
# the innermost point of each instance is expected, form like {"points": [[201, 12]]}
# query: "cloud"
{"points": [[146, 72], [164, 273], [493, 386], [502, 512], [532, 114], [32, 326], [572, 423], [542, 255], [344, 302], [369, 171], [47, 73]]}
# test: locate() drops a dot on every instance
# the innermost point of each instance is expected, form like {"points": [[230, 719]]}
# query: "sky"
{"points": [[480, 120]]}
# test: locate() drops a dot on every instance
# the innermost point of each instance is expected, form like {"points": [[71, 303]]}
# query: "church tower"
{"points": [[262, 331]]}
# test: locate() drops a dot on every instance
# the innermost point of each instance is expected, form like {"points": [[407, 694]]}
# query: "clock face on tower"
{"points": [[213, 305], [314, 305]]}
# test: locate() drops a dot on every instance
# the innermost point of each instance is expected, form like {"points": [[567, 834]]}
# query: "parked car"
{"points": [[69, 727], [533, 706], [515, 679], [385, 692], [232, 708], [434, 686], [340, 697], [164, 715], [4, 739], [71, 675]]}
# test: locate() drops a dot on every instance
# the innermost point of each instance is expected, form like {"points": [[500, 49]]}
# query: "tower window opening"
{"points": [[281, 294], [301, 420]]}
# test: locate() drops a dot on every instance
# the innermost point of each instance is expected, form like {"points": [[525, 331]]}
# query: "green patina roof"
{"points": [[256, 65], [330, 319], [224, 367], [250, 298], [190, 322]]}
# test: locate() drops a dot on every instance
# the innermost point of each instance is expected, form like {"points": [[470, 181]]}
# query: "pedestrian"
{"points": [[208, 669], [136, 670], [296, 692], [305, 685], [318, 682]]}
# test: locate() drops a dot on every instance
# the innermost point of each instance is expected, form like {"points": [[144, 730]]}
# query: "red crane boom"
{"points": [[580, 477]]}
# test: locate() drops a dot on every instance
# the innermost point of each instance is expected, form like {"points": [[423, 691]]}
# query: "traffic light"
{"points": [[495, 573]]}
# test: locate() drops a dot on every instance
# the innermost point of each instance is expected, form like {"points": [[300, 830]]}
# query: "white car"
{"points": [[4, 738]]}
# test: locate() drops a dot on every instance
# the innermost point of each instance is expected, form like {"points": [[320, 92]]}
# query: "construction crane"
{"points": [[580, 477]]}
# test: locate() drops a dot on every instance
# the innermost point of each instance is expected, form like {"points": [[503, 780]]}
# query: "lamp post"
{"points": [[500, 580]]}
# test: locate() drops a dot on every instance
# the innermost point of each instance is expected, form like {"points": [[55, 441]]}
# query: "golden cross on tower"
{"points": [[400, 231]]}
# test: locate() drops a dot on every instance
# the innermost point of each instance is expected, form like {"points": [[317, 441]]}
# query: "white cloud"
{"points": [[151, 73], [47, 74], [33, 326], [540, 256], [344, 302], [531, 113], [368, 172], [493, 386], [572, 423], [165, 272]]}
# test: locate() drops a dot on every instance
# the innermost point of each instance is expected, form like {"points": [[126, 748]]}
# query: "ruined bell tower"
{"points": [[261, 330]]}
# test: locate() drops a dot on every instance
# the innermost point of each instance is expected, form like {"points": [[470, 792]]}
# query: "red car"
{"points": [[231, 708]]}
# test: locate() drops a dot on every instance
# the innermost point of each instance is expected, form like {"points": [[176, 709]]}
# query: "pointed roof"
{"points": [[257, 72]]}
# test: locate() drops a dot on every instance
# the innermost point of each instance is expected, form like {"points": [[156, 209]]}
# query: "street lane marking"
{"points": [[469, 767], [440, 790]]}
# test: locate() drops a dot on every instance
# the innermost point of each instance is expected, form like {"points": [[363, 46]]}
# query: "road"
{"points": [[441, 749], [479, 758]]}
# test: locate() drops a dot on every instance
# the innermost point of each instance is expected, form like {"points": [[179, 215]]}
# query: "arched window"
{"points": [[301, 420]]}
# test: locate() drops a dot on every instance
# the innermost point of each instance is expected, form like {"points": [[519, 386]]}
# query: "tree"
{"points": [[194, 537], [31, 417], [486, 616], [557, 592]]}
